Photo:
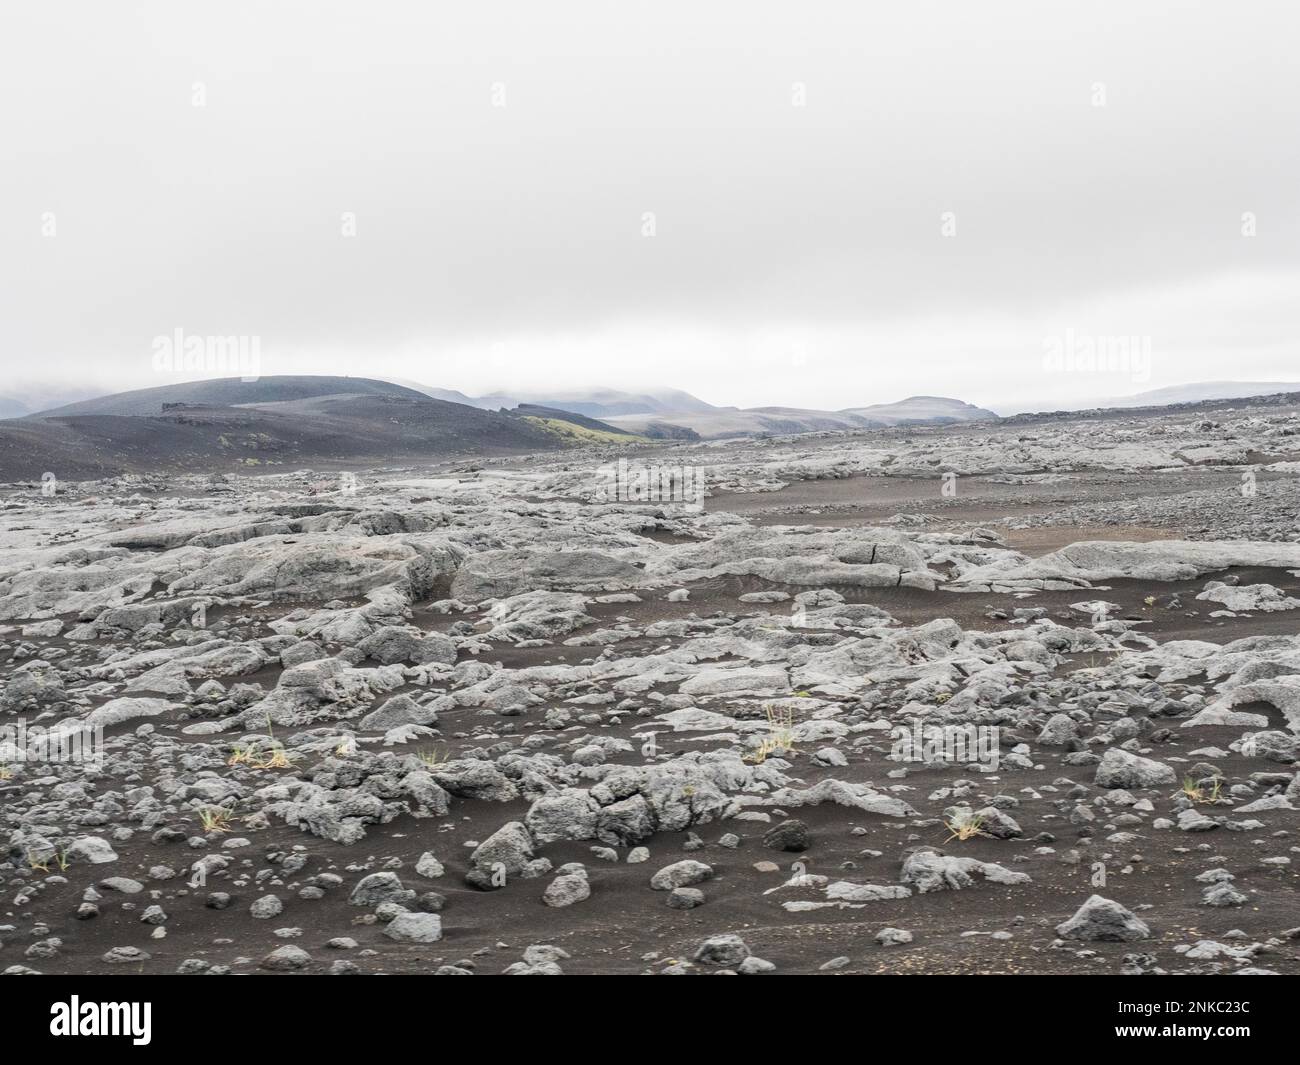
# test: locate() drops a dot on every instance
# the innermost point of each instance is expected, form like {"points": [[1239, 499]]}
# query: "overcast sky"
{"points": [[190, 165]]}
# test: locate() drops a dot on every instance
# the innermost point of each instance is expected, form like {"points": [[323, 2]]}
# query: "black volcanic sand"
{"points": [[625, 927], [624, 920], [870, 500]]}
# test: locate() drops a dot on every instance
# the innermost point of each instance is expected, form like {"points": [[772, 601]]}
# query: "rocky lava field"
{"points": [[489, 717]]}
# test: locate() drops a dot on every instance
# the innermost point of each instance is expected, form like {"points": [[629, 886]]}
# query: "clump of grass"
{"points": [[433, 757], [6, 774], [42, 865], [1099, 660], [963, 829], [256, 758], [277, 759], [215, 818], [779, 738], [1198, 794]]}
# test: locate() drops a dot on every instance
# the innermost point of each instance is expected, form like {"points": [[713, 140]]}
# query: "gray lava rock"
{"points": [[685, 898], [415, 928], [1120, 769], [1222, 896], [504, 854], [265, 907], [380, 887], [125, 956], [728, 950], [429, 867], [286, 959], [1060, 731], [566, 890], [788, 836], [92, 849], [1101, 919], [681, 874]]}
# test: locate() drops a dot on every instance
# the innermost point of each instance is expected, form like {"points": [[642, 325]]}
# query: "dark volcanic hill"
{"points": [[294, 421], [229, 392]]}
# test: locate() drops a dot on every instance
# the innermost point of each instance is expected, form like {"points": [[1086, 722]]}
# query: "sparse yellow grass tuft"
{"points": [[261, 754], [1198, 794], [779, 738], [59, 858], [278, 759], [215, 818], [6, 774], [966, 829], [433, 757], [1095, 660]]}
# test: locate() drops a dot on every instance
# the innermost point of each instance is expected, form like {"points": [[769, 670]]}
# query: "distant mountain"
{"points": [[593, 402], [227, 392], [918, 410], [1268, 402], [722, 422], [1196, 392], [599, 402], [230, 424], [1203, 390], [671, 414], [20, 400], [571, 423], [450, 395]]}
